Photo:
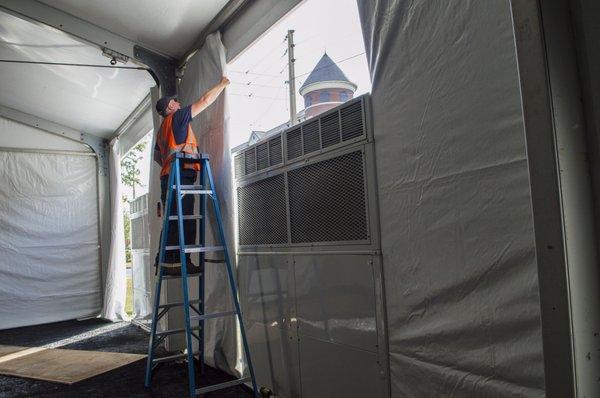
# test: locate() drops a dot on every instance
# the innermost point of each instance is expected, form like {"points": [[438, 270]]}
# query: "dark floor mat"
{"points": [[94, 334]]}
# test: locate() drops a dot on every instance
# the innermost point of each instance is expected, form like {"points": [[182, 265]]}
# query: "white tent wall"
{"points": [[49, 194], [490, 260], [17, 135], [202, 72], [115, 287], [458, 244]]}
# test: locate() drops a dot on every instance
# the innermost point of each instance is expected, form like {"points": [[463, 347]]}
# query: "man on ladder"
{"points": [[176, 135], [177, 153]]}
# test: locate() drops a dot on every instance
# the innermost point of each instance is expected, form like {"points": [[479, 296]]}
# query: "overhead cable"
{"points": [[15, 61]]}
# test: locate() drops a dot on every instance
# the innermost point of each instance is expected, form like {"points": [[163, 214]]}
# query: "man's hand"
{"points": [[209, 97]]}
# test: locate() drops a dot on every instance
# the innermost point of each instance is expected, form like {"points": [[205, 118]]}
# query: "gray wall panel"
{"points": [[333, 370], [335, 299]]}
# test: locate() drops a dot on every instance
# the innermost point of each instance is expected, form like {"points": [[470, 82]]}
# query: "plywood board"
{"points": [[65, 366], [10, 349]]}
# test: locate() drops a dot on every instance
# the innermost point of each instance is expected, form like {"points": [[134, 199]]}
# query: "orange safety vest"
{"points": [[168, 147]]}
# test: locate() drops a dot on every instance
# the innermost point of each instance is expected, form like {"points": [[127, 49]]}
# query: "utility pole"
{"points": [[292, 77]]}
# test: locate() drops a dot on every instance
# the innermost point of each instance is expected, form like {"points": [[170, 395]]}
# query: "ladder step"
{"points": [[210, 316], [178, 304], [194, 156], [187, 217], [179, 276], [188, 187], [197, 248], [175, 331], [220, 386], [214, 261], [171, 358], [197, 192]]}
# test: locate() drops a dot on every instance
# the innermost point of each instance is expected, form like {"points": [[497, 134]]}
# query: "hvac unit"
{"points": [[309, 257]]}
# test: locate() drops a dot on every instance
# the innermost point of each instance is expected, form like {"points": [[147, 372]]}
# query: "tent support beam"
{"points": [[545, 197], [162, 66], [224, 16], [97, 144], [138, 112]]}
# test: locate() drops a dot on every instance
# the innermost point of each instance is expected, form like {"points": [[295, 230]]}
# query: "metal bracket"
{"points": [[114, 56], [162, 69], [99, 146]]}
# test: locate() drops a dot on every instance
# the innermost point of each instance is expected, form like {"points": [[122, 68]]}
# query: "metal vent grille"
{"points": [[294, 144], [139, 236], [352, 121], [250, 160], [239, 165], [330, 130], [262, 212], [262, 156], [327, 200], [275, 152], [310, 135]]}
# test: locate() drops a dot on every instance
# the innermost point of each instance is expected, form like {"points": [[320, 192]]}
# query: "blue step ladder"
{"points": [[176, 191]]}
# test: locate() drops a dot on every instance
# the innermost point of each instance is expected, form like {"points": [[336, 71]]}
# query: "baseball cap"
{"points": [[162, 103]]}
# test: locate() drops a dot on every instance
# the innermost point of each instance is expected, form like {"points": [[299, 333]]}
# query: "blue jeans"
{"points": [[188, 177]]}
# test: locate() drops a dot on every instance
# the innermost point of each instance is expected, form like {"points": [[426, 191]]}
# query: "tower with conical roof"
{"points": [[326, 87]]}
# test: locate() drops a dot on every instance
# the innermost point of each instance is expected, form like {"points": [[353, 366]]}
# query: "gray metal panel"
{"points": [[267, 298], [333, 370], [335, 299], [275, 358], [267, 290]]}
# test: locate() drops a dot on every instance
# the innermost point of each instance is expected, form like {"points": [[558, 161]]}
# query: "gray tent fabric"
{"points": [[203, 71], [458, 247]]}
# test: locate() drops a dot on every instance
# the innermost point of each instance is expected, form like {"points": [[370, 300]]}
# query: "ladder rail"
{"points": [[201, 287], [234, 291], [184, 283], [176, 192], [157, 290]]}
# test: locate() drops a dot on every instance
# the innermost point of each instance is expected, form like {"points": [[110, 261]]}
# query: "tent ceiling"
{"points": [[170, 27], [91, 100]]}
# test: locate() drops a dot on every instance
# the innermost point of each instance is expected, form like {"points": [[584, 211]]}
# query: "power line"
{"points": [[14, 61], [266, 111], [265, 57], [328, 66], [251, 95], [252, 73], [254, 84]]}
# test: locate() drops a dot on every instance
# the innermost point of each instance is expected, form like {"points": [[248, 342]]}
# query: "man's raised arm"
{"points": [[209, 97]]}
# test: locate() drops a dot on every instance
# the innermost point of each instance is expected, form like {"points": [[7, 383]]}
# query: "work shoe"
{"points": [[174, 269]]}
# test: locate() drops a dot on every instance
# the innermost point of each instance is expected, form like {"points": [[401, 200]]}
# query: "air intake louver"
{"points": [[330, 129], [326, 132], [294, 144], [352, 121], [262, 156], [310, 136], [250, 160], [275, 151], [239, 165]]}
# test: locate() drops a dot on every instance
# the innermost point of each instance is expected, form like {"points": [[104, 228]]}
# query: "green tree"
{"points": [[130, 172], [127, 228], [130, 176]]}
